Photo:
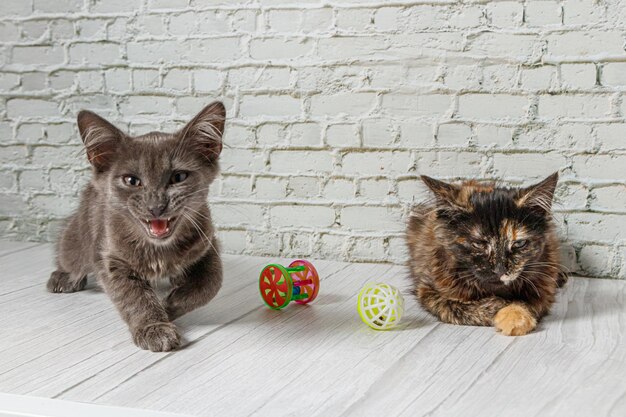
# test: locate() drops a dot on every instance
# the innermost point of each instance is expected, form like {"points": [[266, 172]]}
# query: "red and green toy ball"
{"points": [[298, 282]]}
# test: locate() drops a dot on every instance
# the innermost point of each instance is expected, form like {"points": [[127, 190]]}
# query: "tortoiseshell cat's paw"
{"points": [[514, 320], [157, 337], [64, 282]]}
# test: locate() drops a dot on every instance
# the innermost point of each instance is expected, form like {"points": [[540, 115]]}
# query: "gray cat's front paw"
{"points": [[62, 282], [157, 337]]}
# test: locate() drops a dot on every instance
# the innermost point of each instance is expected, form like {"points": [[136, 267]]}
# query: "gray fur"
{"points": [[108, 235]]}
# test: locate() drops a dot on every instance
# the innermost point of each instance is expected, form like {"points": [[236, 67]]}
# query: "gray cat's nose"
{"points": [[158, 210]]}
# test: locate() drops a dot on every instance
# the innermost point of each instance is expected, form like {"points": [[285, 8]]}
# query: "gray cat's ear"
{"points": [[539, 196], [206, 129], [101, 139], [446, 194]]}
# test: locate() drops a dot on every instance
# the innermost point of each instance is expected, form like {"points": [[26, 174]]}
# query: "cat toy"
{"points": [[279, 286], [380, 306]]}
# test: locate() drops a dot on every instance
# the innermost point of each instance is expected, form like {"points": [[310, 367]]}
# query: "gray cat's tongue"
{"points": [[158, 227]]}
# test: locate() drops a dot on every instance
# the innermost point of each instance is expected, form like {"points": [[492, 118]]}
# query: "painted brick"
{"points": [[372, 218], [539, 78], [305, 134], [269, 105], [241, 160], [280, 48], [270, 188], [263, 78], [12, 203], [611, 136], [596, 260], [342, 135], [543, 13], [450, 164], [605, 228], [177, 79], [303, 187], [342, 104], [332, 246], [375, 189], [527, 165], [493, 136], [339, 189], [58, 6], [17, 7], [579, 106], [302, 216], [492, 106], [13, 155], [237, 214], [516, 46], [576, 12], [31, 108], [411, 105], [234, 240], [272, 134], [376, 163], [599, 167], [206, 80], [505, 14], [353, 20], [136, 105], [586, 43], [305, 161], [610, 198], [454, 134], [9, 32], [614, 74], [115, 6], [378, 132], [194, 23], [94, 53], [386, 18], [38, 55], [366, 249], [236, 186], [576, 76]]}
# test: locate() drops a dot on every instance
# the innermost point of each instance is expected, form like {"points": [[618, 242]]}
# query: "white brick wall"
{"points": [[335, 108]]}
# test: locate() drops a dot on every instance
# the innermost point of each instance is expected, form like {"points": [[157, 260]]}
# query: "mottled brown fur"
{"points": [[109, 235], [464, 263]]}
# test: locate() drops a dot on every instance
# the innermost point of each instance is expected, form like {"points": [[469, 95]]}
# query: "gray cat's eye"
{"points": [[178, 176], [132, 181]]}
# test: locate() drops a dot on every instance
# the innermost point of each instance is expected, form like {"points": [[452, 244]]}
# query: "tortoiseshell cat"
{"points": [[144, 217], [483, 255]]}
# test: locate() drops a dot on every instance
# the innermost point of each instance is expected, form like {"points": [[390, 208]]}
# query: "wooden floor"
{"points": [[243, 359]]}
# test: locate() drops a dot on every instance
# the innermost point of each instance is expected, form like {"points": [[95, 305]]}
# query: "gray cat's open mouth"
{"points": [[160, 228]]}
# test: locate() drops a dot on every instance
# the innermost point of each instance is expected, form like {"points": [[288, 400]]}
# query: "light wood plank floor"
{"points": [[318, 360]]}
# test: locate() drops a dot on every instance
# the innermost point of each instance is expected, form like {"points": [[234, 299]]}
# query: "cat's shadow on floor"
{"points": [[582, 298]]}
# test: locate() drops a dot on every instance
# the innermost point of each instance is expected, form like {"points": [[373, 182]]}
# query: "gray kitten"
{"points": [[144, 216]]}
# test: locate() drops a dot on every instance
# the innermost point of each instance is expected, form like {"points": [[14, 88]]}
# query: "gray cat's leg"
{"points": [[197, 286], [61, 281], [140, 308]]}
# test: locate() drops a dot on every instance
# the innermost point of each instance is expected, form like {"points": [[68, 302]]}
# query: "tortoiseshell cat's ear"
{"points": [[448, 194], [205, 130], [101, 139], [539, 196]]}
